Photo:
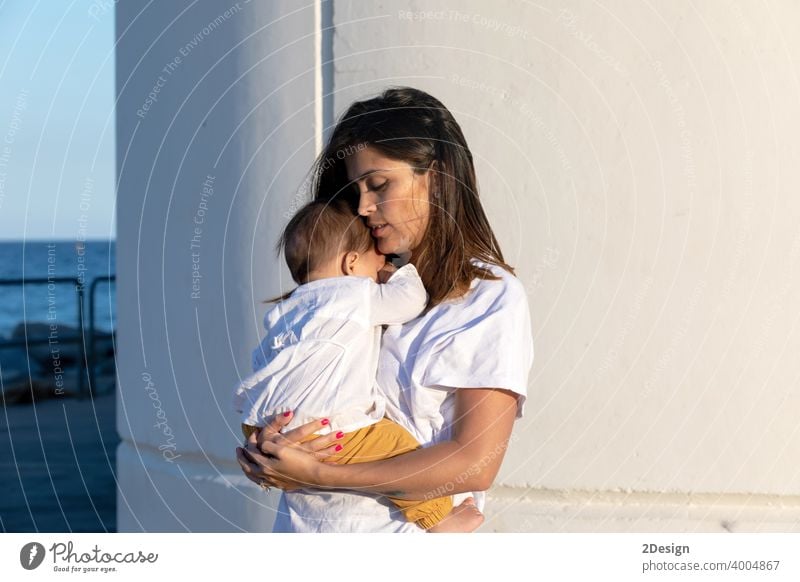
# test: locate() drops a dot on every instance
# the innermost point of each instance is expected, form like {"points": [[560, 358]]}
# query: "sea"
{"points": [[40, 298]]}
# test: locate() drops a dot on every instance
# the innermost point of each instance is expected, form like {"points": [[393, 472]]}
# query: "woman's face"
{"points": [[393, 199]]}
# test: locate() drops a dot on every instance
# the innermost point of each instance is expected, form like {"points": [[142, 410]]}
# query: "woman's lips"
{"points": [[379, 229]]}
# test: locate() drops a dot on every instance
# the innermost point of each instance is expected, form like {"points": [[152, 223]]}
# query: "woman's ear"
{"points": [[349, 261]]}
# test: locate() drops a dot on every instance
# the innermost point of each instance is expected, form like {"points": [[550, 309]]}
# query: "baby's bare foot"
{"points": [[462, 519]]}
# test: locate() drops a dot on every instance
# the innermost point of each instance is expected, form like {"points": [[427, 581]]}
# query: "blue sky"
{"points": [[57, 169]]}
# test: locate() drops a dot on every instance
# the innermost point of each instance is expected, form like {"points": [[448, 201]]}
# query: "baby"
{"points": [[319, 357]]}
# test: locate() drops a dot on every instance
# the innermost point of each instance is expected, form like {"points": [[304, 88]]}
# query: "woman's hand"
{"points": [[287, 461]]}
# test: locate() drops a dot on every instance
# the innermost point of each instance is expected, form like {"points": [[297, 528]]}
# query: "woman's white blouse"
{"points": [[481, 340]]}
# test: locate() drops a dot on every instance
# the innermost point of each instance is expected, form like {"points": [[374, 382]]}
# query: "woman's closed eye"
{"points": [[378, 187], [371, 187]]}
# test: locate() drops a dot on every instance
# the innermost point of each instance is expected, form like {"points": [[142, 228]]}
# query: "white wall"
{"points": [[239, 107], [636, 163]]}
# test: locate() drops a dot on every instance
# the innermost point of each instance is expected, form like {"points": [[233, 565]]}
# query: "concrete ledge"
{"points": [[535, 510], [193, 493]]}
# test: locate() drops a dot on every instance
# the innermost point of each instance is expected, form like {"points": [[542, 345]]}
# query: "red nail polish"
{"points": [[339, 434], [287, 413], [338, 448], [325, 422]]}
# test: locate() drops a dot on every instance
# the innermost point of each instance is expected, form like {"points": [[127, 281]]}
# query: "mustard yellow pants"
{"points": [[384, 440]]}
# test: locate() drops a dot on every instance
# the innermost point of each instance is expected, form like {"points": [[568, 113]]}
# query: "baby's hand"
{"points": [[386, 272]]}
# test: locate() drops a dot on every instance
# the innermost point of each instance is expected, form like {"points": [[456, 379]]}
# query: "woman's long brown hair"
{"points": [[412, 126]]}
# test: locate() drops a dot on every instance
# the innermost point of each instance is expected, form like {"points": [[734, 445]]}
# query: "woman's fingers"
{"points": [[253, 437], [253, 459], [324, 446], [321, 447], [269, 475], [277, 422], [256, 472], [330, 453], [294, 435], [273, 427], [247, 466], [243, 463], [301, 432], [323, 442], [281, 460], [270, 447]]}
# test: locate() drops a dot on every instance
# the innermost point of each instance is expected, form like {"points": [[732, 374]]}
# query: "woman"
{"points": [[456, 376]]}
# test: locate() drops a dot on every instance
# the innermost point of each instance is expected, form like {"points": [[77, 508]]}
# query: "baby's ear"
{"points": [[349, 262]]}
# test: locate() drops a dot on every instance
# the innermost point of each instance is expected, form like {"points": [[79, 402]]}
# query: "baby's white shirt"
{"points": [[320, 355]]}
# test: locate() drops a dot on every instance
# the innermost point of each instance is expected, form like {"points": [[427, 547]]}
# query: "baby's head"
{"points": [[328, 239]]}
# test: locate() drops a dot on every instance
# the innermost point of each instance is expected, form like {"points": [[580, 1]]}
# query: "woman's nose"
{"points": [[366, 205]]}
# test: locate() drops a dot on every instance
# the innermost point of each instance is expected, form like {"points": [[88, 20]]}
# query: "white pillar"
{"points": [[215, 131]]}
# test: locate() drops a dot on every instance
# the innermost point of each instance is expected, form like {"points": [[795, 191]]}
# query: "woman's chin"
{"points": [[388, 248], [392, 246]]}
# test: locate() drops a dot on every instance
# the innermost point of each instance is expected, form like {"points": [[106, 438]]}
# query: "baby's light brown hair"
{"points": [[318, 233]]}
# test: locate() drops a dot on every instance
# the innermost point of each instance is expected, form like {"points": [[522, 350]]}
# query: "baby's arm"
{"points": [[400, 299]]}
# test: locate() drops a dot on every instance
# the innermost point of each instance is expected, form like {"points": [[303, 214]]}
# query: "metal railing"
{"points": [[92, 332], [86, 361]]}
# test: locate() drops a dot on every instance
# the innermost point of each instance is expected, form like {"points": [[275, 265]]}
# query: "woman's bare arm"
{"points": [[468, 462]]}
